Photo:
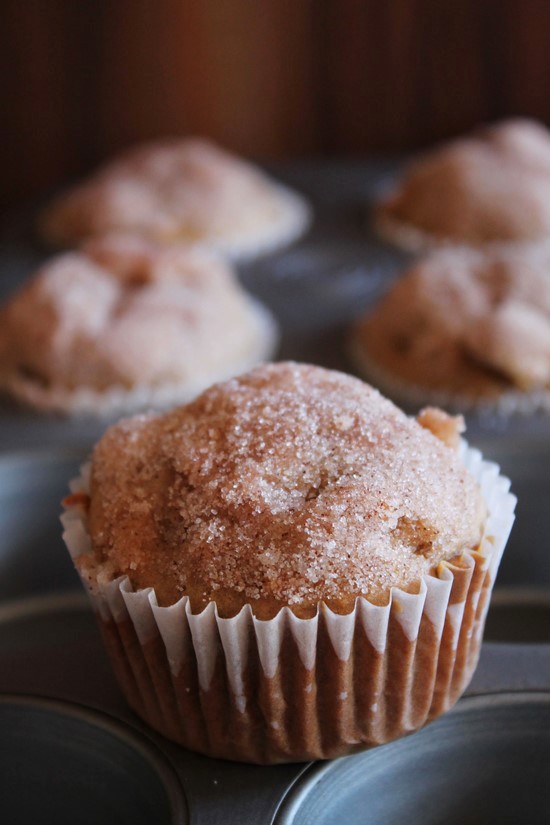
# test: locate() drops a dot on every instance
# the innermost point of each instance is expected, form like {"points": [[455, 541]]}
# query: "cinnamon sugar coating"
{"points": [[289, 485], [180, 190], [469, 322], [493, 185], [124, 312]]}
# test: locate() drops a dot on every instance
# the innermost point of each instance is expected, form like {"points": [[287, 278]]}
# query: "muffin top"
{"points": [[125, 312], [476, 323], [290, 485], [491, 186], [187, 190]]}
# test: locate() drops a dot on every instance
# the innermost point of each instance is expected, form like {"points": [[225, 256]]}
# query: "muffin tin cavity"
{"points": [[62, 764], [486, 762]]}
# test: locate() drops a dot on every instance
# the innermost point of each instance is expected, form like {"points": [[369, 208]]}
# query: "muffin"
{"points": [[273, 575], [464, 328], [125, 323], [181, 190], [492, 186]]}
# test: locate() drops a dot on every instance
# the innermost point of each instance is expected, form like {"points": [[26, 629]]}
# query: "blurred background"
{"points": [[268, 78]]}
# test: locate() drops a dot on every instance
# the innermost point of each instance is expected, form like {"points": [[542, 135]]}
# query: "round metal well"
{"points": [[484, 763], [63, 764]]}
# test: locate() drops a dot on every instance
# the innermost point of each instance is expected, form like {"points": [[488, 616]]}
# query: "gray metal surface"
{"points": [[519, 614], [33, 558], [525, 460]]}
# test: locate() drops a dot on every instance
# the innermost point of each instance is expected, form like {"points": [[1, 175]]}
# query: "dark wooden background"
{"points": [[269, 78]]}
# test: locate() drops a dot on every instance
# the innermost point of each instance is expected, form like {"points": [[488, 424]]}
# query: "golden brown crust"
{"points": [[290, 485], [491, 186]]}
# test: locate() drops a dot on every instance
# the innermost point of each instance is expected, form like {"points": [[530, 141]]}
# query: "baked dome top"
{"points": [[493, 185], [180, 190], [289, 485]]}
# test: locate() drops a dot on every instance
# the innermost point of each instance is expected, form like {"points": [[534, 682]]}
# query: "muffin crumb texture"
{"points": [[290, 485], [448, 428]]}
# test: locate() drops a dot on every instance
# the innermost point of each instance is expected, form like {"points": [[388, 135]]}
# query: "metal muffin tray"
{"points": [[71, 750]]}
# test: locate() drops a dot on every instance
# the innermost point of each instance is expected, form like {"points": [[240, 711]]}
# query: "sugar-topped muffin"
{"points": [[291, 485], [125, 323], [491, 186], [289, 567], [181, 190], [473, 325]]}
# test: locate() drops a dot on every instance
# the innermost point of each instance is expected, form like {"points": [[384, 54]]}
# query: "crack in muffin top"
{"points": [[290, 485]]}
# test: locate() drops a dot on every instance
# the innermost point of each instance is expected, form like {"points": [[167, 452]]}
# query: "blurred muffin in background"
{"points": [[125, 323], [181, 190], [488, 187], [464, 328], [273, 575]]}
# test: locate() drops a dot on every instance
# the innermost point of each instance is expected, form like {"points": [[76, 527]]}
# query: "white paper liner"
{"points": [[85, 400], [208, 634], [505, 405]]}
